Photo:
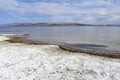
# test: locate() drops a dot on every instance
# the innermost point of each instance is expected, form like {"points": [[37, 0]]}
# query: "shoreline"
{"points": [[92, 51], [67, 47], [20, 61]]}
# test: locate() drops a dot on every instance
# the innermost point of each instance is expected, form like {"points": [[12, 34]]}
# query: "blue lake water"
{"points": [[108, 36]]}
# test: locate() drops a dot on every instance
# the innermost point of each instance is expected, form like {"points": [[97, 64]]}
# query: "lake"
{"points": [[108, 36]]}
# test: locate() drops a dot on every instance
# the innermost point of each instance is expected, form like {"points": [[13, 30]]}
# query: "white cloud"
{"points": [[89, 11], [8, 4]]}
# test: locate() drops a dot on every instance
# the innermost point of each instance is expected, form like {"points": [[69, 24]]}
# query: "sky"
{"points": [[80, 11]]}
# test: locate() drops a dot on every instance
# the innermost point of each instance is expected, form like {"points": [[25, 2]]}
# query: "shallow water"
{"points": [[106, 36]]}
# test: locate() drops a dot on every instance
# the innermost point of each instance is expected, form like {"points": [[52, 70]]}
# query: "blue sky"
{"points": [[82, 11]]}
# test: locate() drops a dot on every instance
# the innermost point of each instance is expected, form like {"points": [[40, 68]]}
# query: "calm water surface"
{"points": [[108, 36]]}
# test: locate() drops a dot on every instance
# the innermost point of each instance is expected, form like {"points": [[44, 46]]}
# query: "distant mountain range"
{"points": [[54, 24]]}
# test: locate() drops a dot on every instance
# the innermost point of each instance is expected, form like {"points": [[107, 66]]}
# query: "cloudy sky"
{"points": [[82, 11]]}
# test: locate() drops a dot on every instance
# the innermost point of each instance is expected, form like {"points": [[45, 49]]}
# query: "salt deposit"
{"points": [[49, 62]]}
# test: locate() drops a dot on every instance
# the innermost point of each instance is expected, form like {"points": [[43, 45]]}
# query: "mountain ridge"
{"points": [[55, 24]]}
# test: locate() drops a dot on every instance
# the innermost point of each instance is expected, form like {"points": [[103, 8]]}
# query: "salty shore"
{"points": [[20, 61]]}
